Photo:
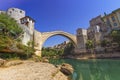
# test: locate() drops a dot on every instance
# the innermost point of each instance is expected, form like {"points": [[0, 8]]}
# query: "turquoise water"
{"points": [[94, 69]]}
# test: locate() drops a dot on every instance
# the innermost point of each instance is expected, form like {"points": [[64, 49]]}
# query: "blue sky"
{"points": [[66, 15]]}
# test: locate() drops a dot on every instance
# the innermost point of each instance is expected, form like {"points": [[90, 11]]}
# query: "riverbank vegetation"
{"points": [[10, 41], [52, 52], [110, 43]]}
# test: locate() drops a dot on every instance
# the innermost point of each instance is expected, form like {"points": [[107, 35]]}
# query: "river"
{"points": [[93, 69]]}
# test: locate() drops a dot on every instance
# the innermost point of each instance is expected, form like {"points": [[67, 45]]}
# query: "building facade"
{"points": [[112, 20], [16, 13], [61, 46], [97, 26]]}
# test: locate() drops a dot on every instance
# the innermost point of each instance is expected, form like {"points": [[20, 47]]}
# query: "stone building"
{"points": [[27, 24], [81, 40], [61, 45], [96, 31], [98, 26], [16, 13]]}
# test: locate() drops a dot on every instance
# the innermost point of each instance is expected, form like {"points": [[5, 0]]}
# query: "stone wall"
{"points": [[81, 40], [16, 13], [26, 35], [38, 42]]}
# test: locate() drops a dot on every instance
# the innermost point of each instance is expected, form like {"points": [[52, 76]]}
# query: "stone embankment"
{"points": [[29, 70], [96, 56]]}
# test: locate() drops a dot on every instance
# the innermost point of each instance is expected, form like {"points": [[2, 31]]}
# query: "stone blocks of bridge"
{"points": [[38, 53], [40, 38]]}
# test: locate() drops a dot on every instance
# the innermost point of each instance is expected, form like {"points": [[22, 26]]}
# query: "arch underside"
{"points": [[68, 36], [40, 38]]}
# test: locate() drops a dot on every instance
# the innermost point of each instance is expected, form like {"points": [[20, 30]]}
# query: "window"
{"points": [[10, 12], [113, 18], [20, 11], [115, 24], [13, 9]]}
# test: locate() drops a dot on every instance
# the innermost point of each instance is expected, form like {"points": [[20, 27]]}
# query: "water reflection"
{"points": [[93, 69]]}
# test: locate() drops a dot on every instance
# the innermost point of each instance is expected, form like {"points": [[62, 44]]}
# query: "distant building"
{"points": [[96, 26], [112, 20], [61, 45]]}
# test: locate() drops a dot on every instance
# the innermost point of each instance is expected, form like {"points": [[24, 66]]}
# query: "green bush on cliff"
{"points": [[27, 50], [5, 42], [9, 30], [115, 34], [9, 36], [9, 26]]}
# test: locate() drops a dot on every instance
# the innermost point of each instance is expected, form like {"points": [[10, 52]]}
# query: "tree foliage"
{"points": [[115, 34], [89, 44], [9, 33], [104, 43], [69, 49], [49, 52], [9, 26], [58, 52]]}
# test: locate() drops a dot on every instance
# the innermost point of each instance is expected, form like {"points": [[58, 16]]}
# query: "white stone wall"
{"points": [[31, 26], [27, 36], [16, 13], [37, 39], [81, 39], [84, 32]]}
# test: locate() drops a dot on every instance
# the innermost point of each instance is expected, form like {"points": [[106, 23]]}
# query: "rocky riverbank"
{"points": [[30, 70]]}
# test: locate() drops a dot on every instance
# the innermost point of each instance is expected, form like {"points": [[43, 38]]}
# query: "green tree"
{"points": [[9, 26], [90, 45], [9, 35], [115, 34], [104, 43], [69, 49]]}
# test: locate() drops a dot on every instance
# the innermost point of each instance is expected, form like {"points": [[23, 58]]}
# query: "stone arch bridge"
{"points": [[40, 38]]}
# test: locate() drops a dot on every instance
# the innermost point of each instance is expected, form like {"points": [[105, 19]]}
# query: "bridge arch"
{"points": [[46, 35]]}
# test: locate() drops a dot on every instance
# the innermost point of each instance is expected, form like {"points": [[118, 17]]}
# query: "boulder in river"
{"points": [[67, 69]]}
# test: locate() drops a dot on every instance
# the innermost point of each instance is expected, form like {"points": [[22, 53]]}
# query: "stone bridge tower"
{"points": [[81, 40]]}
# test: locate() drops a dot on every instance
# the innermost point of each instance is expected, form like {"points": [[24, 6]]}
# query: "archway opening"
{"points": [[57, 45]]}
